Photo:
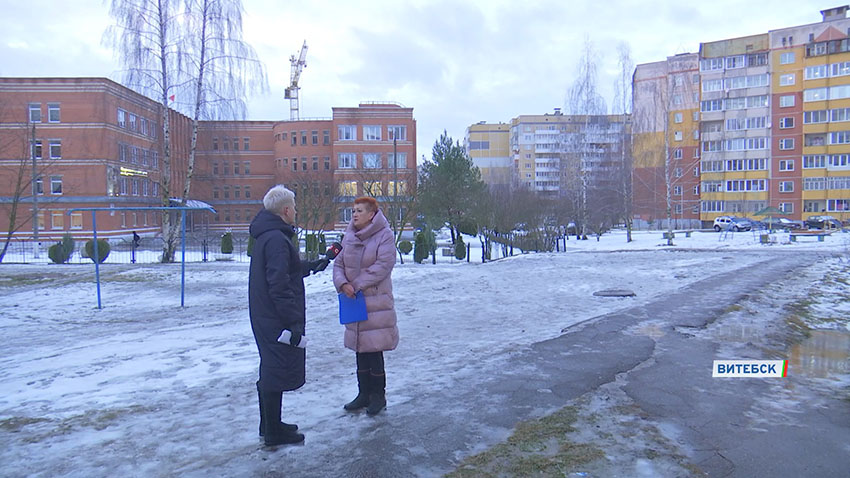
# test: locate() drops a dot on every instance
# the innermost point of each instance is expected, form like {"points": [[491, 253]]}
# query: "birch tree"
{"points": [[583, 100], [623, 107], [192, 52]]}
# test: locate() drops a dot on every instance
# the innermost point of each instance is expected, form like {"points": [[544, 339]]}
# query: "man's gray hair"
{"points": [[277, 198]]}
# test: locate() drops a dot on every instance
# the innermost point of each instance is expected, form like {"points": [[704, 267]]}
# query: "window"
{"points": [[348, 188], [315, 163], [814, 161], [677, 172], [345, 214], [303, 164], [76, 220], [52, 112], [711, 105], [677, 135], [391, 187], [786, 58], [227, 192], [735, 62], [816, 72], [372, 188], [822, 116], [786, 143], [215, 144], [215, 193], [304, 138], [37, 149], [787, 122], [326, 137], [711, 146], [143, 126], [399, 162], [696, 171], [836, 115], [677, 153], [246, 168], [294, 136], [347, 160], [247, 192], [677, 191], [327, 163], [237, 190], [786, 79], [55, 184], [131, 122], [814, 184], [226, 143], [246, 144], [712, 85], [786, 186], [225, 168], [236, 167], [55, 149], [786, 164], [215, 168], [347, 133], [398, 133], [135, 187], [839, 137], [815, 94], [315, 137], [371, 133], [677, 118], [786, 207], [711, 64], [371, 160], [121, 121], [786, 101], [35, 112]]}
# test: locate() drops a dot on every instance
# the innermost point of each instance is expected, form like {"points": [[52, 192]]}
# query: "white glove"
{"points": [[286, 335]]}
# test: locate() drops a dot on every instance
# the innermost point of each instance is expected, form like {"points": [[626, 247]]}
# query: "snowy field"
{"points": [[146, 388]]}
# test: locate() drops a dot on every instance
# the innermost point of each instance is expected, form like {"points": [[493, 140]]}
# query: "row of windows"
{"points": [[315, 163], [826, 93], [138, 187], [55, 185], [371, 160], [128, 153], [371, 133], [720, 84], [754, 164], [733, 62], [813, 161], [372, 188], [822, 139], [54, 148], [737, 206], [735, 144], [824, 116], [820, 184], [35, 113], [734, 103], [827, 47], [224, 192], [136, 124], [826, 71], [227, 142], [239, 168]]}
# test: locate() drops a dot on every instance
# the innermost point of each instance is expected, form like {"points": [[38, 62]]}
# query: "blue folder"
{"points": [[352, 310]]}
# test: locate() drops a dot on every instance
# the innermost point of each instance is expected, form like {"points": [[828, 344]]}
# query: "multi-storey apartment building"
{"points": [[488, 144], [771, 108], [549, 153], [99, 144]]}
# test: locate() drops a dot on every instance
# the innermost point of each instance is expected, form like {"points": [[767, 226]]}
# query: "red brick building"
{"points": [[99, 144]]}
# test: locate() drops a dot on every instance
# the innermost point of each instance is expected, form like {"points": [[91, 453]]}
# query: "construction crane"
{"points": [[291, 92]]}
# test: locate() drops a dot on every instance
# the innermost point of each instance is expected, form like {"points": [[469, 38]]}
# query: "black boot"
{"points": [[274, 433], [286, 426], [377, 395], [362, 399]]}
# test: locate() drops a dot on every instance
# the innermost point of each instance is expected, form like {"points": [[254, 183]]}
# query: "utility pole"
{"points": [[34, 191], [395, 187]]}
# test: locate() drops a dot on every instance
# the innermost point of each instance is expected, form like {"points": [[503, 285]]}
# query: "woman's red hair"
{"points": [[371, 203]]}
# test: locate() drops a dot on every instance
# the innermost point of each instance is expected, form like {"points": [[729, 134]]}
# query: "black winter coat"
{"points": [[276, 301]]}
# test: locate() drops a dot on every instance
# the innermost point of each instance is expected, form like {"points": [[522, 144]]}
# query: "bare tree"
{"points": [[583, 100], [192, 50], [623, 107]]}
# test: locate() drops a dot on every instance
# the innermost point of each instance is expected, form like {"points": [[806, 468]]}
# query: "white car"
{"points": [[731, 223]]}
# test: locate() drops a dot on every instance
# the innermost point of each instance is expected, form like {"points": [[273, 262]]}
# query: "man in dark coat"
{"points": [[277, 310]]}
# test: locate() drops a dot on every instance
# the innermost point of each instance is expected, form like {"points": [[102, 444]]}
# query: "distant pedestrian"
{"points": [[365, 265], [277, 304]]}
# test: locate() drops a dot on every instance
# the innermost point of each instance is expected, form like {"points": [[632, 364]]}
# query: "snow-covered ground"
{"points": [[144, 387]]}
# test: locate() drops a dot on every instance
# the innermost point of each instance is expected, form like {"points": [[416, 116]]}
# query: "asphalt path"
{"points": [[723, 427]]}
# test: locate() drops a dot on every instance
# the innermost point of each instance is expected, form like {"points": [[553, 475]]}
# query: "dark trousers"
{"points": [[371, 362]]}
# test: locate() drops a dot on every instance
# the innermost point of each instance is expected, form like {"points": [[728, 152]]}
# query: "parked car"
{"points": [[731, 223], [822, 222]]}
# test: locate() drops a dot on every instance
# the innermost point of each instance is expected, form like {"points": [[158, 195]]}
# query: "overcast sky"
{"points": [[455, 62]]}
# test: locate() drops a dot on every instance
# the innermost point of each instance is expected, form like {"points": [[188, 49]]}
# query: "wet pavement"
{"points": [[657, 359]]}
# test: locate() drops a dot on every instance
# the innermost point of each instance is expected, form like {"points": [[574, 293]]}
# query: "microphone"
{"points": [[333, 250]]}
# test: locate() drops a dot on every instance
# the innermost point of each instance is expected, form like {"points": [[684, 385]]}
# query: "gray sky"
{"points": [[456, 62]]}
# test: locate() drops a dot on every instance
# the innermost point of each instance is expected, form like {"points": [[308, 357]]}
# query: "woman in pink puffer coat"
{"points": [[366, 264]]}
